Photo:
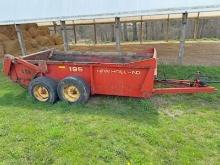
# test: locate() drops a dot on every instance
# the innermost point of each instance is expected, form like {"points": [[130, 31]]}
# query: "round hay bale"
{"points": [[11, 47], [28, 45], [43, 28], [58, 40], [26, 35], [33, 32], [34, 43], [44, 41], [8, 31], [59, 47], [31, 45], [1, 51], [28, 26], [42, 32], [3, 37]]}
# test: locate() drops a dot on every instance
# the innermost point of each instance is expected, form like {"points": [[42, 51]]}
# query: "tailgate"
{"points": [[7, 64], [22, 71]]}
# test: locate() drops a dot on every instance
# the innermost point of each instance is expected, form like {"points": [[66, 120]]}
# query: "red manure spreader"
{"points": [[73, 77]]}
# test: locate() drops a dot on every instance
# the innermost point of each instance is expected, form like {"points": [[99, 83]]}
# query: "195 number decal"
{"points": [[75, 69]]}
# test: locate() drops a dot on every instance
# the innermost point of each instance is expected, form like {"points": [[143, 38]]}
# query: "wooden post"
{"points": [[74, 31], [102, 37], [141, 31], [95, 34], [64, 35], [55, 27], [196, 27], [125, 31], [146, 31], [21, 40], [168, 28], [117, 32], [113, 33], [182, 37], [134, 31]]}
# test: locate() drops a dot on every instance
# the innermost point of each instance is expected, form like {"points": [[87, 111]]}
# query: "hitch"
{"points": [[202, 80], [197, 84]]}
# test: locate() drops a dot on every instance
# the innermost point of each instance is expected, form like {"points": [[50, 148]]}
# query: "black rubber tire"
{"points": [[80, 84], [49, 84]]}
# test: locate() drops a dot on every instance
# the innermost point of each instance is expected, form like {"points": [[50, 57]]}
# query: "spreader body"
{"points": [[133, 74]]}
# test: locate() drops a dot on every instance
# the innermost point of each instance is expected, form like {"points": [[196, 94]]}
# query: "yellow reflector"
{"points": [[61, 67]]}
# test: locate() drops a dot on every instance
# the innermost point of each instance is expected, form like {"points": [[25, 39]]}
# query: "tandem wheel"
{"points": [[43, 89], [73, 90]]}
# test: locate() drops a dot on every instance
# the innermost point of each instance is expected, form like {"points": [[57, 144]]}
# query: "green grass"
{"points": [[181, 129]]}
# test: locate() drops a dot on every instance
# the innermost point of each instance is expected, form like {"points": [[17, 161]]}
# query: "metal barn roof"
{"points": [[34, 11]]}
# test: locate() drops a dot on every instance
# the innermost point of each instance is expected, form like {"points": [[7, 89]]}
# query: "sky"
{"points": [[18, 10]]}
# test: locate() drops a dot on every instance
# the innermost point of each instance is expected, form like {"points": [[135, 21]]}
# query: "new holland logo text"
{"points": [[119, 71]]}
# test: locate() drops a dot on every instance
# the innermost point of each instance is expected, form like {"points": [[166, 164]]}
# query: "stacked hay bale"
{"points": [[58, 40], [11, 47], [35, 38], [8, 31], [1, 51], [7, 45], [38, 38]]}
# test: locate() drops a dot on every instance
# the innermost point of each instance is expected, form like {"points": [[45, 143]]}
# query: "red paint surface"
{"points": [[135, 78]]}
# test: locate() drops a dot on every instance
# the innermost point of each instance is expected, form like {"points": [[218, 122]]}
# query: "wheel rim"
{"points": [[71, 93], [41, 93]]}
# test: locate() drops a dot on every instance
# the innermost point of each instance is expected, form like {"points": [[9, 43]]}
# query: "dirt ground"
{"points": [[196, 53]]}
